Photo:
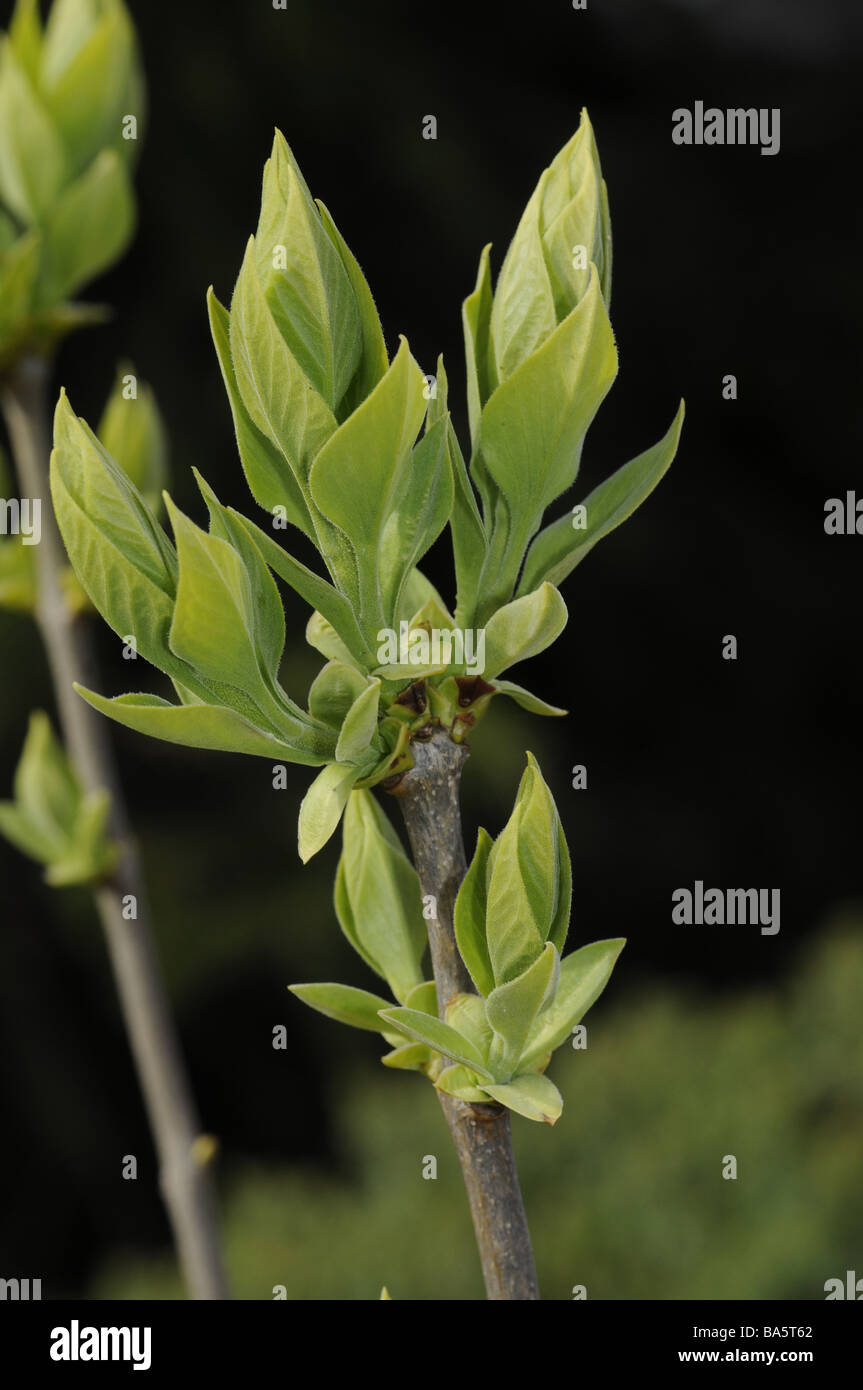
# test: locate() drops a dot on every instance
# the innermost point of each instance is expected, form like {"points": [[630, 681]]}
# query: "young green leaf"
{"points": [[304, 280], [50, 820], [522, 629], [437, 1035], [533, 427], [271, 481], [25, 36], [322, 807], [423, 997], [467, 1014], [377, 897], [469, 917], [89, 855], [461, 1082], [374, 360], [19, 828], [574, 220], [557, 550], [410, 1057], [532, 703], [330, 605], [45, 785], [469, 541], [523, 313], [86, 229], [322, 635], [514, 938], [360, 725], [523, 879], [563, 896], [530, 1095], [359, 482], [266, 620], [19, 265], [421, 515], [334, 690], [583, 976], [124, 560], [478, 348], [90, 85], [275, 391], [511, 1009], [215, 619], [132, 432], [204, 725], [32, 161], [563, 230], [344, 1003], [419, 596]]}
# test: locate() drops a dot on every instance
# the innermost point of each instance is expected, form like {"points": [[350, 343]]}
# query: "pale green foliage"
{"points": [[511, 920], [352, 450], [377, 897], [50, 819], [540, 359], [206, 613], [67, 209], [377, 903], [673, 1078], [131, 430], [133, 433]]}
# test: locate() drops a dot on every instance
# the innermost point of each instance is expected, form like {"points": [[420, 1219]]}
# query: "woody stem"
{"points": [[428, 796], [184, 1178]]}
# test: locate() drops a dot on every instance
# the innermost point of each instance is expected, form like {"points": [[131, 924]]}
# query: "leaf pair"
{"points": [[497, 1048], [511, 919], [50, 819], [207, 614], [517, 892], [132, 432], [377, 897], [361, 1009], [326, 427], [366, 750], [540, 359], [564, 229]]}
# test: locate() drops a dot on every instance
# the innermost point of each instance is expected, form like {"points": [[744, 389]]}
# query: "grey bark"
{"points": [[428, 796], [184, 1179]]}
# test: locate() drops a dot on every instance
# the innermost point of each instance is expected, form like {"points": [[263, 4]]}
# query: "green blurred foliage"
{"points": [[625, 1195]]}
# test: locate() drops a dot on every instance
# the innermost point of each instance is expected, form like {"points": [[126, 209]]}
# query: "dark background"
{"points": [[742, 773]]}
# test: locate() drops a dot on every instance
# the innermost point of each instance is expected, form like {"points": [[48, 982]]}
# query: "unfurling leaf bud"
{"points": [[132, 432], [564, 228], [528, 881], [377, 897], [71, 111], [51, 819]]}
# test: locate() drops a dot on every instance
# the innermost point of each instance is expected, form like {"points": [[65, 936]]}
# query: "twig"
{"points": [[183, 1177], [428, 796]]}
